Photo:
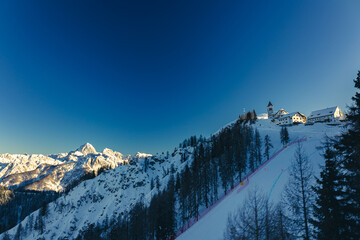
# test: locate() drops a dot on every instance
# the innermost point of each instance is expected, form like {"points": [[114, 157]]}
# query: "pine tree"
{"points": [[328, 219], [254, 115], [284, 136], [258, 146], [157, 180], [18, 232], [268, 146], [348, 148], [206, 176], [152, 185], [6, 236], [43, 209]]}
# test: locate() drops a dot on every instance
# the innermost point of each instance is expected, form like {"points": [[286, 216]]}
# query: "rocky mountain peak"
{"points": [[86, 149]]}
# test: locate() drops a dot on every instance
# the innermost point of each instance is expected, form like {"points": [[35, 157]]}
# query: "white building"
{"points": [[291, 118], [326, 115], [280, 113]]}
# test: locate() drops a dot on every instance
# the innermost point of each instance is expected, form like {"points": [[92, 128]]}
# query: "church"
{"points": [[282, 117], [278, 114]]}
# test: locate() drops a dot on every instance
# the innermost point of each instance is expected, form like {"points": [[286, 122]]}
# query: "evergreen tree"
{"points": [[258, 146], [284, 135], [152, 184], [348, 148], [137, 221], [254, 115], [249, 117], [328, 219], [157, 180], [6, 236], [268, 146], [252, 157], [43, 209], [205, 176], [185, 192], [18, 232]]}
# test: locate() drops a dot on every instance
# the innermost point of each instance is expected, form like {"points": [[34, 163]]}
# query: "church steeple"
{"points": [[270, 110]]}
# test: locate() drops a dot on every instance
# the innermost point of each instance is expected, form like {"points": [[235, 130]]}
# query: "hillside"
{"points": [[112, 195], [269, 178]]}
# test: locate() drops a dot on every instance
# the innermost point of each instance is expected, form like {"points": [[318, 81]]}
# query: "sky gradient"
{"points": [[143, 75]]}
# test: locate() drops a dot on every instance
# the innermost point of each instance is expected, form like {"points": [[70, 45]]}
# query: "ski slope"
{"points": [[270, 177]]}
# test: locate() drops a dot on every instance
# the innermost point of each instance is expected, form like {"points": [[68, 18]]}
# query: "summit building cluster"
{"points": [[282, 117]]}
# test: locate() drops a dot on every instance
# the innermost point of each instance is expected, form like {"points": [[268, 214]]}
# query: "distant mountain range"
{"points": [[56, 172]]}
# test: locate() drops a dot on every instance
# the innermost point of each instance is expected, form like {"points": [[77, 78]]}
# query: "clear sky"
{"points": [[143, 75]]}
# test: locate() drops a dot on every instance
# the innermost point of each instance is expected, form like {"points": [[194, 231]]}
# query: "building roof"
{"points": [[323, 112], [291, 115], [270, 104], [280, 111]]}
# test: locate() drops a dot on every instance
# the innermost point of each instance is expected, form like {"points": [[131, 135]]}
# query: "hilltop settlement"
{"points": [[332, 115]]}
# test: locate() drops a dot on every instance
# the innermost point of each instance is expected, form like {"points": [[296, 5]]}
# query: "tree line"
{"points": [[217, 164], [328, 209]]}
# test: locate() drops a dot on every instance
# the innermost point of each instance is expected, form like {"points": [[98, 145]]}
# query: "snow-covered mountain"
{"points": [[107, 196], [113, 193], [55, 172]]}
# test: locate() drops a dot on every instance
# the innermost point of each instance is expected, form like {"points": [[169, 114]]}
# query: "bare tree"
{"points": [[250, 221], [282, 224], [299, 193]]}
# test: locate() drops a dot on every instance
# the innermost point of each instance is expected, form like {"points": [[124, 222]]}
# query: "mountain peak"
{"points": [[86, 149]]}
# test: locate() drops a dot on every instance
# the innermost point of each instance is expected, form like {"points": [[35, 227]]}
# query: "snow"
{"points": [[262, 116], [114, 192], [109, 195], [57, 171], [323, 112], [270, 178]]}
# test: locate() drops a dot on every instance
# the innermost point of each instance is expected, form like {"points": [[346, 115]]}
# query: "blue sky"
{"points": [[144, 75]]}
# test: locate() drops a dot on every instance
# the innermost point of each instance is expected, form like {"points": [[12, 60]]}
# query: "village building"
{"points": [[272, 115], [280, 113], [291, 118], [326, 115]]}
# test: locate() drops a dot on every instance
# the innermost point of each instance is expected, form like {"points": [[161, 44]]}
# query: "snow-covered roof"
{"points": [[281, 111], [323, 112], [291, 115]]}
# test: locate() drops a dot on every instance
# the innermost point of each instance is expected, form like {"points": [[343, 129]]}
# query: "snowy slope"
{"points": [[271, 177], [105, 197], [55, 172], [114, 192]]}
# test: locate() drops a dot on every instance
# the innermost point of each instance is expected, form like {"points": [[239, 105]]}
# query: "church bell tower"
{"points": [[270, 110]]}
